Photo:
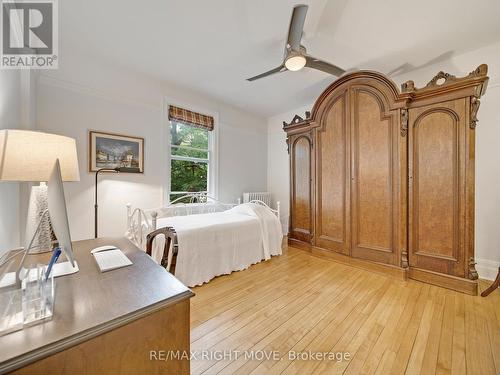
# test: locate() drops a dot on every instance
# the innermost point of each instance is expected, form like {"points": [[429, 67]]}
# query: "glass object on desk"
{"points": [[38, 296], [28, 304], [11, 310]]}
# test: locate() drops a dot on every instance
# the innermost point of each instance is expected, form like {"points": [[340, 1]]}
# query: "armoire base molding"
{"points": [[446, 281], [385, 269]]}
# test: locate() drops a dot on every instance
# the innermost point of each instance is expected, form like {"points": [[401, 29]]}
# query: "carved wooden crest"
{"points": [[445, 79], [440, 79], [480, 71], [297, 119]]}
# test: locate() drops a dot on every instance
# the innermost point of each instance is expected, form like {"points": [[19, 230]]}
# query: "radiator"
{"points": [[262, 196]]}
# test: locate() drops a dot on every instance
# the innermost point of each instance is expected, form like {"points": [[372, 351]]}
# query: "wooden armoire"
{"points": [[384, 178]]}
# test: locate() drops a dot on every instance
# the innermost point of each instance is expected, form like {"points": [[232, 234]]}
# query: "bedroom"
{"points": [[121, 67]]}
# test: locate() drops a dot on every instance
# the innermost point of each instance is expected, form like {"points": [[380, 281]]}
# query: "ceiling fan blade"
{"points": [[296, 27], [315, 63], [279, 69]]}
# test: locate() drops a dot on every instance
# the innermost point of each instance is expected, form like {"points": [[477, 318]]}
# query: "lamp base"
{"points": [[37, 206]]}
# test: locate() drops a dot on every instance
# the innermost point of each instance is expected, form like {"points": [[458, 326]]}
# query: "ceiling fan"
{"points": [[295, 57]]}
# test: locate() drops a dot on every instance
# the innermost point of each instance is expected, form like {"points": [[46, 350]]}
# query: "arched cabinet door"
{"points": [[437, 167], [375, 176], [301, 227], [332, 171]]}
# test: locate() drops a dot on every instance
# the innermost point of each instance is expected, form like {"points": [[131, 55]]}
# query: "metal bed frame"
{"points": [[142, 224]]}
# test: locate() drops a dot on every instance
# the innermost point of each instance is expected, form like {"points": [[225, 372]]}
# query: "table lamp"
{"points": [[29, 156]]}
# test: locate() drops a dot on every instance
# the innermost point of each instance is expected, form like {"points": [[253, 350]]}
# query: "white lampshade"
{"points": [[30, 156]]}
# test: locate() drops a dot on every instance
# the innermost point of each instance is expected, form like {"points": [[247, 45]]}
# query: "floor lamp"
{"points": [[117, 170], [29, 156]]}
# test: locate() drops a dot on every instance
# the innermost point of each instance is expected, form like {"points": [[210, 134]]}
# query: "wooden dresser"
{"points": [[106, 323], [384, 178]]}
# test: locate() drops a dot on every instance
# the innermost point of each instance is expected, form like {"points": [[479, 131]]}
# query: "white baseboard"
{"points": [[284, 224], [487, 269]]}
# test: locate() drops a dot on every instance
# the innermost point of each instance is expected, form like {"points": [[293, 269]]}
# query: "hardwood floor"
{"points": [[300, 304]]}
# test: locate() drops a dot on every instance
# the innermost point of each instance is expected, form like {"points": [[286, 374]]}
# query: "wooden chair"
{"points": [[169, 234], [493, 286]]}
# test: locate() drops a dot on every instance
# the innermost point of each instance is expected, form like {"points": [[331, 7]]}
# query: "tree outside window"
{"points": [[189, 159]]}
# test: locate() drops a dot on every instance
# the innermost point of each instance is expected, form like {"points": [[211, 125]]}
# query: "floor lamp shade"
{"points": [[30, 156]]}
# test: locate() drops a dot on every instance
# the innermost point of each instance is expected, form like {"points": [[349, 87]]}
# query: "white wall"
{"points": [[17, 111], [84, 94], [242, 161], [487, 151], [73, 113], [10, 117]]}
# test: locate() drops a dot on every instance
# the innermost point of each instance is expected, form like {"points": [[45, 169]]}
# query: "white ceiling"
{"points": [[213, 46]]}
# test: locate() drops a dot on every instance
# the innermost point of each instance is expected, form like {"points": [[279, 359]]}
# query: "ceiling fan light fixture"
{"points": [[295, 56], [295, 62]]}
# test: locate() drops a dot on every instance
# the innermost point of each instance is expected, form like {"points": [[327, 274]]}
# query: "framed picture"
{"points": [[108, 150]]}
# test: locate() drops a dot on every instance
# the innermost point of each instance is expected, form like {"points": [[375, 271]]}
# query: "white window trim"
{"points": [[213, 166]]}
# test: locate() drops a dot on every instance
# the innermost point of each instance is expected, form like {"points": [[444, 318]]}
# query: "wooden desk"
{"points": [[105, 323]]}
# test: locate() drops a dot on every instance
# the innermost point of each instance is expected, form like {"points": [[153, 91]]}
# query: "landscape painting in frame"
{"points": [[107, 150]]}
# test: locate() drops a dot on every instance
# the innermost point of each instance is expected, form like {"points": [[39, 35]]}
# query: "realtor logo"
{"points": [[29, 34]]}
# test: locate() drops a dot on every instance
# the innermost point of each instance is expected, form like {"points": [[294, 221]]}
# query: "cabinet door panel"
{"points": [[437, 147], [332, 218], [301, 210], [374, 149]]}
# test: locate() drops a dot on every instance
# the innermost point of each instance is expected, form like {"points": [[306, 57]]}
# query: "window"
{"points": [[190, 158]]}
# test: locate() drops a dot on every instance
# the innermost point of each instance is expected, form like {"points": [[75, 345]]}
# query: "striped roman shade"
{"points": [[188, 117]]}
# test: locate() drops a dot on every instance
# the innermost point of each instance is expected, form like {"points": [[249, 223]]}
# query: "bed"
{"points": [[204, 238]]}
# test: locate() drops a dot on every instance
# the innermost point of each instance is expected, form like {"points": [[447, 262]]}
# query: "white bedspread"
{"points": [[218, 243]]}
